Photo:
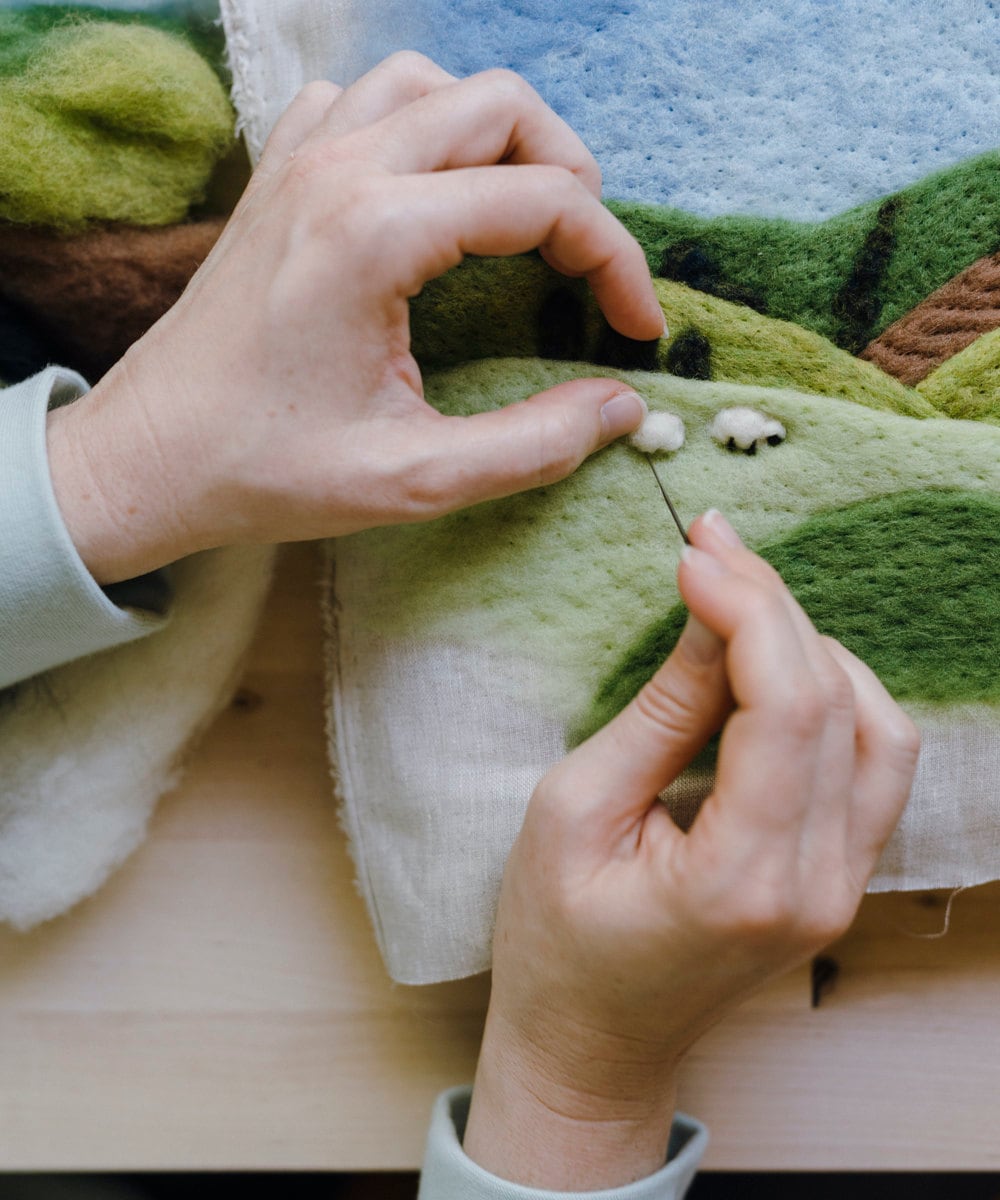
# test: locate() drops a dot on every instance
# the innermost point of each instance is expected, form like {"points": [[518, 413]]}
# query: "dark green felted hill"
{"points": [[492, 307], [104, 120], [909, 582], [847, 278]]}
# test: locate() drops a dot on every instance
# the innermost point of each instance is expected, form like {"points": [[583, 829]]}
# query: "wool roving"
{"points": [[105, 121], [520, 307], [91, 295], [659, 433], [939, 327]]}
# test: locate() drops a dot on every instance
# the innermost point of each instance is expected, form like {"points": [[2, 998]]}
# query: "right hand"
{"points": [[620, 939]]}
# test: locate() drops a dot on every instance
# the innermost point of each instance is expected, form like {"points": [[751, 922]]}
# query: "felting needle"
{"points": [[663, 492]]}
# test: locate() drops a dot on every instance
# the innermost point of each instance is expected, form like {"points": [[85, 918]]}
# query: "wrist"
{"points": [[541, 1121], [121, 516]]}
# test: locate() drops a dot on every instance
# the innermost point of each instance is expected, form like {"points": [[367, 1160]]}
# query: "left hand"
{"points": [[278, 399]]}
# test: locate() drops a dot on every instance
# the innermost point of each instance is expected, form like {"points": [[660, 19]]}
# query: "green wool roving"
{"points": [[565, 578], [908, 582], [847, 278], [968, 385], [104, 120], [521, 307]]}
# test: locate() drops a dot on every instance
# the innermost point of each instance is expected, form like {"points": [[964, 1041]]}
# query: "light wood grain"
{"points": [[220, 1003]]}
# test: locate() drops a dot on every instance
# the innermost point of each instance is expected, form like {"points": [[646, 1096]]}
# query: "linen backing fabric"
{"points": [[438, 740]]}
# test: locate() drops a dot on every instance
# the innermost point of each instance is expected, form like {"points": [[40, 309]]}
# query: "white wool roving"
{"points": [[745, 428], [84, 758], [659, 432]]}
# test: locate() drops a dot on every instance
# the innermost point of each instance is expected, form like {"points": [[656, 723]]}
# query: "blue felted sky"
{"points": [[798, 108]]}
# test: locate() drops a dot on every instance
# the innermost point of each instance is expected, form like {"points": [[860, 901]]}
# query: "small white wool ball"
{"points": [[659, 431], [745, 428]]}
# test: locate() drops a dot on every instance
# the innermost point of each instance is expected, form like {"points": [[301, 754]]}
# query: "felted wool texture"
{"points": [[848, 277], [536, 575], [520, 307], [76, 795], [465, 650], [950, 319], [91, 295], [860, 572], [105, 121], [968, 385], [731, 107]]}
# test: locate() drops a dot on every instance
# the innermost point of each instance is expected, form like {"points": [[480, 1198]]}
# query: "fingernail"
{"points": [[620, 415], [699, 643], [703, 563], [721, 528]]}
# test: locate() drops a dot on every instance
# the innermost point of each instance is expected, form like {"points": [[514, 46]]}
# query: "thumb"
{"points": [[535, 442], [621, 770]]}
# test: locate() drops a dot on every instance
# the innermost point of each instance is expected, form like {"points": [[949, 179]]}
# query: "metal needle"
{"points": [[663, 490]]}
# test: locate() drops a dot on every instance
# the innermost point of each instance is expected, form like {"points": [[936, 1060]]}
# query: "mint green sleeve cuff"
{"points": [[449, 1174], [52, 609]]}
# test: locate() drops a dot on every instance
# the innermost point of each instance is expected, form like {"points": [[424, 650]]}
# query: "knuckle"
{"points": [[665, 707], [763, 916], [413, 68], [508, 86], [836, 688], [423, 489], [804, 712], [820, 926], [319, 93], [902, 739]]}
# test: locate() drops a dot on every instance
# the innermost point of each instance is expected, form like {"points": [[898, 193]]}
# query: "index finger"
{"points": [[493, 117], [509, 210]]}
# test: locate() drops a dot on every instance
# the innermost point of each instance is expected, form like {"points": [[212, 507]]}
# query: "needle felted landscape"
{"points": [[491, 640]]}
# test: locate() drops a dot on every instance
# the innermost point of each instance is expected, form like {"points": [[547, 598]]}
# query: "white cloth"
{"points": [[88, 748]]}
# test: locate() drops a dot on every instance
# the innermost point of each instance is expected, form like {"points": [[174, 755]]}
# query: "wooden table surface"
{"points": [[221, 1004]]}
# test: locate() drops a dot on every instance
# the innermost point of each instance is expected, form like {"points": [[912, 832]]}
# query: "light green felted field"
{"points": [[968, 385], [569, 576], [520, 307]]}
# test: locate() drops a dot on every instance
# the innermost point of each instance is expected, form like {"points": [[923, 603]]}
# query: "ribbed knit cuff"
{"points": [[52, 609], [449, 1174]]}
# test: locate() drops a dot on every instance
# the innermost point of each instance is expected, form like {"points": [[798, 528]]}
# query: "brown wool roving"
{"points": [[96, 293], [950, 319]]}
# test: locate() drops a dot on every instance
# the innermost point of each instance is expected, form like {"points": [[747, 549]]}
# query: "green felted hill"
{"points": [[566, 578], [908, 582], [104, 120], [521, 307], [968, 385], [847, 278]]}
